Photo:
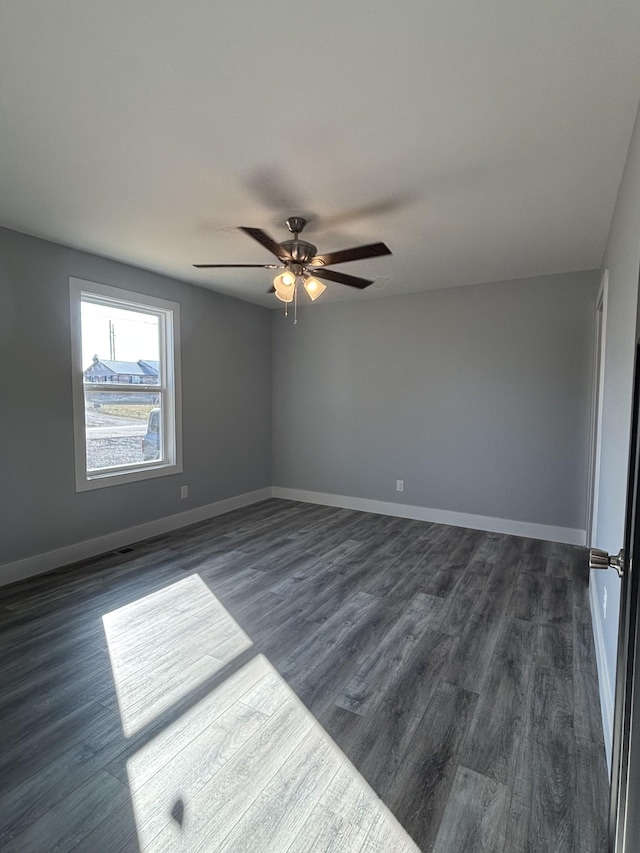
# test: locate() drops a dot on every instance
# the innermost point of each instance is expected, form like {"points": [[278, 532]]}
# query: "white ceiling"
{"points": [[482, 140]]}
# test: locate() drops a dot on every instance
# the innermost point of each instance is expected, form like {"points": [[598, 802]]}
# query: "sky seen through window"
{"points": [[135, 334]]}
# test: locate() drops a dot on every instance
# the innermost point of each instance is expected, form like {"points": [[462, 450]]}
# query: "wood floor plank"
{"points": [[464, 596], [475, 819], [117, 833], [543, 800], [554, 646], [526, 601], [397, 572], [592, 797], [349, 817], [23, 803], [557, 604], [379, 746], [74, 817], [34, 704], [472, 651], [341, 588], [491, 546], [371, 682], [23, 758], [492, 744], [463, 546], [320, 685], [496, 592], [422, 786], [331, 634], [534, 559], [441, 583], [587, 720], [276, 816]]}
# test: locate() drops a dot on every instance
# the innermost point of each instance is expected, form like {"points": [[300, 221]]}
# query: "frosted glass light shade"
{"points": [[285, 286], [285, 278], [314, 287]]}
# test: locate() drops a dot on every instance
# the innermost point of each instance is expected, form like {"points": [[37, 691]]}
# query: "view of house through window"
{"points": [[128, 383], [121, 347]]}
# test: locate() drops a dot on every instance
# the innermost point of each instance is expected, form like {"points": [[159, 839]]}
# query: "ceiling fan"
{"points": [[300, 261]]}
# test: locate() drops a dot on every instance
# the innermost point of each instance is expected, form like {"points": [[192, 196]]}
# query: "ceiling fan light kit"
{"points": [[297, 256], [285, 286], [314, 287]]}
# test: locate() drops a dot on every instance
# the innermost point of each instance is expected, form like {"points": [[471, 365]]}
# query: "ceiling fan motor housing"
{"points": [[298, 250]]}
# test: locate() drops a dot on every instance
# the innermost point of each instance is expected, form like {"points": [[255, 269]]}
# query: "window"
{"points": [[126, 385]]}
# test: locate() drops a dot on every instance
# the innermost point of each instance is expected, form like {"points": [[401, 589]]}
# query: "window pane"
{"points": [[122, 428], [119, 346]]}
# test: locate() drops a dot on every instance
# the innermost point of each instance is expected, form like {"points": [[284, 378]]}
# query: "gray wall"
{"points": [[622, 259], [478, 397], [226, 388]]}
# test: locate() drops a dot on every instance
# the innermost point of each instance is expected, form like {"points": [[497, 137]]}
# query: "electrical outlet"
{"points": [[399, 485], [184, 492], [604, 603]]}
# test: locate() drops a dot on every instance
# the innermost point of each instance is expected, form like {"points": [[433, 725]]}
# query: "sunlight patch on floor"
{"points": [[163, 646], [247, 767]]}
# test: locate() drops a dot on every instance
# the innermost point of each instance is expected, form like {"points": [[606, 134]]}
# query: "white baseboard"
{"points": [[568, 535], [39, 563], [604, 678]]}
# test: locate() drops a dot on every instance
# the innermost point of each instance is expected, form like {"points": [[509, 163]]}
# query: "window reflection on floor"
{"points": [[247, 767]]}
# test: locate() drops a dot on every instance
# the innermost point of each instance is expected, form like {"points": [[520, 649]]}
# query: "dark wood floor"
{"points": [[290, 677]]}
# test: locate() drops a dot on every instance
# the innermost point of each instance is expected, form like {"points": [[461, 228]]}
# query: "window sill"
{"points": [[131, 475]]}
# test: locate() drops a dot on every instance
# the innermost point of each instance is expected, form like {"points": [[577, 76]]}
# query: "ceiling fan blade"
{"points": [[264, 240], [341, 278], [373, 250], [236, 266]]}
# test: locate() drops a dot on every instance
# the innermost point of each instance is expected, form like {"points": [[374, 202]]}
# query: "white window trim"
{"points": [[172, 415]]}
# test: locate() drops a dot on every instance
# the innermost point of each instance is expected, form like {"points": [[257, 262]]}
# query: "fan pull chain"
{"points": [[295, 302]]}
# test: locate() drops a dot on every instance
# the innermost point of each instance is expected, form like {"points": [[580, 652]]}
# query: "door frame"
{"points": [[624, 805], [597, 408]]}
